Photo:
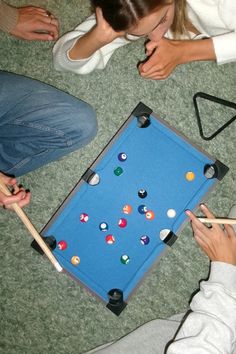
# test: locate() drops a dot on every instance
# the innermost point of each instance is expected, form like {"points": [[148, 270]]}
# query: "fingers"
{"points": [[98, 12], [46, 28], [19, 194], [230, 231], [22, 198], [36, 24], [152, 69], [218, 244], [207, 212], [150, 46]]}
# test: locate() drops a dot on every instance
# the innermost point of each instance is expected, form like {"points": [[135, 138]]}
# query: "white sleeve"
{"points": [[225, 44], [98, 60], [211, 326]]}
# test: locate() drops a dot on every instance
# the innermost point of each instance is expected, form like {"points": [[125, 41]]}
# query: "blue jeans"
{"points": [[39, 124]]}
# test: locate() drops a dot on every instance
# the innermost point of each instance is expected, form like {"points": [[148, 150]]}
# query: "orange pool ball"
{"points": [[127, 209], [150, 215], [190, 176]]}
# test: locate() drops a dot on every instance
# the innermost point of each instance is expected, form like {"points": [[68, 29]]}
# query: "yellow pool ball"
{"points": [[190, 176], [75, 260]]}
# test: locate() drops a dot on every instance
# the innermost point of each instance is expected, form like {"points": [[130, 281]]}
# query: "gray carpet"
{"points": [[43, 311]]}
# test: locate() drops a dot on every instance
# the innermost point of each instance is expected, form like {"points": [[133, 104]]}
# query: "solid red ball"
{"points": [[62, 245]]}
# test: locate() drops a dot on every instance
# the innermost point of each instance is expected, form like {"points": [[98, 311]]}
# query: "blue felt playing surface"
{"points": [[157, 160]]}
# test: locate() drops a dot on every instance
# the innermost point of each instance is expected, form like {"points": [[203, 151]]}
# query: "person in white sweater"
{"points": [[210, 325], [172, 28]]}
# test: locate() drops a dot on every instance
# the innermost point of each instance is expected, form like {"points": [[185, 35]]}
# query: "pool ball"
{"points": [[190, 176], [142, 209], [118, 171], [124, 259], [122, 222], [84, 217], [110, 239], [150, 215], [171, 213], [62, 245], [75, 260], [144, 240], [103, 226], [127, 209], [122, 156], [142, 193]]}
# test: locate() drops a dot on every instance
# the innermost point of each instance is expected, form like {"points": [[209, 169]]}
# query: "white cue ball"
{"points": [[171, 213]]}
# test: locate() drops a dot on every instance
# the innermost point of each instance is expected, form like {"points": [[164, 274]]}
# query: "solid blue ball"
{"points": [[122, 156], [142, 209]]}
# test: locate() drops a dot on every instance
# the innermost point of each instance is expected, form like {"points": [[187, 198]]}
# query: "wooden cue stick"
{"points": [[218, 221], [31, 228]]}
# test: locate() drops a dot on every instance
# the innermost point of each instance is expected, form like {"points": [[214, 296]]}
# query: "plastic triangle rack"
{"points": [[220, 101]]}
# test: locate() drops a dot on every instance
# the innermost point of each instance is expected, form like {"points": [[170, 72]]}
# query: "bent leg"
{"points": [[39, 124]]}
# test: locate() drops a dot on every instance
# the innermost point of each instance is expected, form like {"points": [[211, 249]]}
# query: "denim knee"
{"points": [[83, 123]]}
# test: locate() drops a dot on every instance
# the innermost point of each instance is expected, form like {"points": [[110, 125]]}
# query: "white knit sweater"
{"points": [[209, 329], [213, 18]]}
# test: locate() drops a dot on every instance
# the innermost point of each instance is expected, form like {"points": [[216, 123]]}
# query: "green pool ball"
{"points": [[118, 171], [124, 259]]}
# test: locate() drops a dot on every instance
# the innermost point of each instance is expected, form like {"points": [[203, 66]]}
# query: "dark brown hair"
{"points": [[123, 14]]}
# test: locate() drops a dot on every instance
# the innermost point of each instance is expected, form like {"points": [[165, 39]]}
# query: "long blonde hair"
{"points": [[179, 24]]}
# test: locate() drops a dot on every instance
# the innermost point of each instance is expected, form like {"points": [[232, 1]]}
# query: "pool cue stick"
{"points": [[31, 228], [218, 221]]}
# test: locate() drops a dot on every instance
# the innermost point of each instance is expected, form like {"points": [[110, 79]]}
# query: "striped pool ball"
{"points": [[84, 217], [144, 240], [150, 215], [124, 259], [110, 239]]}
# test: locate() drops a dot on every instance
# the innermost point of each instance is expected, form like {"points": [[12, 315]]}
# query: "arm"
{"points": [[30, 23], [88, 47], [19, 196], [100, 35], [211, 327]]}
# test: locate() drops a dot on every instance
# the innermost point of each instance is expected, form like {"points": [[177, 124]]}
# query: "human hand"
{"points": [[164, 56], [19, 195], [104, 31], [35, 23], [218, 244]]}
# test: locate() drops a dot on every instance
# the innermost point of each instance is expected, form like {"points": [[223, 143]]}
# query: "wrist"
{"points": [[196, 50]]}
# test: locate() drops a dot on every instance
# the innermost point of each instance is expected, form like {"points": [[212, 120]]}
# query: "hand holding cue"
{"points": [[31, 228], [217, 221]]}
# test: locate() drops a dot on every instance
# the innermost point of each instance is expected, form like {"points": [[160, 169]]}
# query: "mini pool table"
{"points": [[129, 206]]}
